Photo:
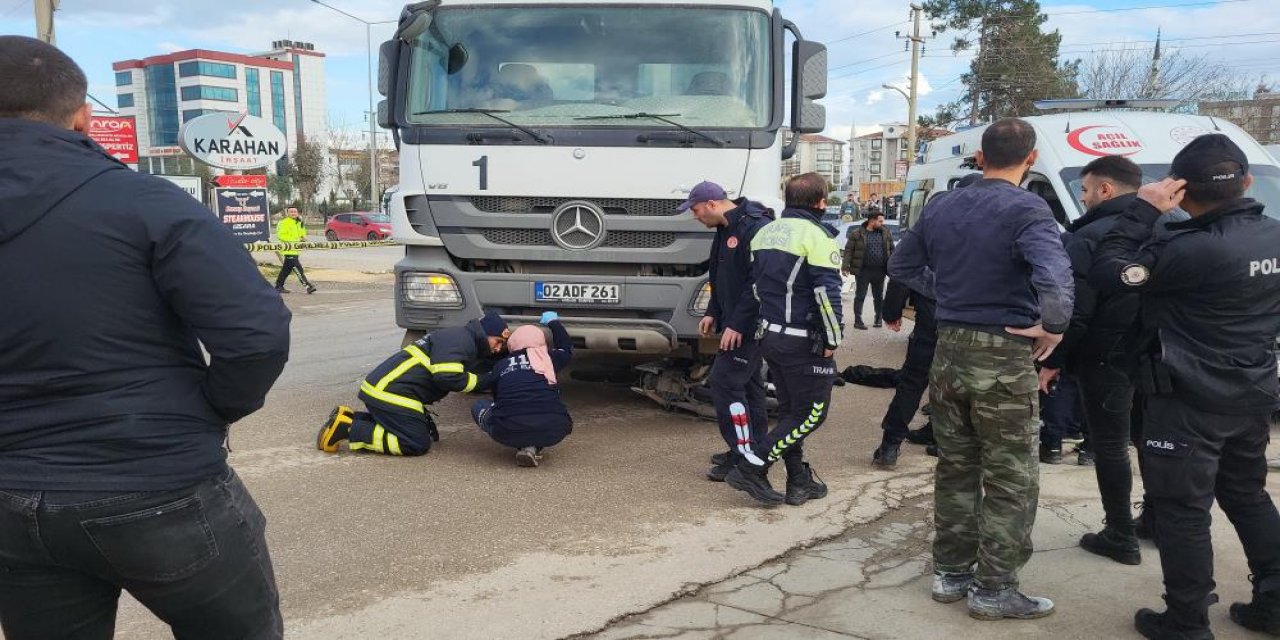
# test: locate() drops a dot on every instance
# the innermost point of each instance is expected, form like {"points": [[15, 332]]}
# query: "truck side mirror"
{"points": [[809, 67], [388, 54], [384, 115]]}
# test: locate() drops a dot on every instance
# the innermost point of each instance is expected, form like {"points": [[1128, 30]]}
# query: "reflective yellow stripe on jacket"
{"points": [[416, 358]]}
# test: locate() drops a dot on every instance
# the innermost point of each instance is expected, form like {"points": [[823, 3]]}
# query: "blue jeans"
{"points": [[196, 557]]}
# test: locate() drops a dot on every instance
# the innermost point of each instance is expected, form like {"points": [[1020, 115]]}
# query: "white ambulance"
{"points": [[1080, 131]]}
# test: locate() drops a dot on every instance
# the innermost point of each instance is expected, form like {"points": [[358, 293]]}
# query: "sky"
{"points": [[863, 52]]}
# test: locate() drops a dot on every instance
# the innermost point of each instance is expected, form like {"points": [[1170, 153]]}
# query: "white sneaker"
{"points": [[527, 457]]}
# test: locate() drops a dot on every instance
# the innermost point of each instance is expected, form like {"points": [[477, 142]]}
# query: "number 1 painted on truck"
{"points": [[483, 163]]}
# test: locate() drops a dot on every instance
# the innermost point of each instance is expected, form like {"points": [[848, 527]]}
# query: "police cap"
{"points": [[1196, 161]]}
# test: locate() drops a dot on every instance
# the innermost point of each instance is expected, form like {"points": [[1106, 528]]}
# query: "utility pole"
{"points": [[917, 46], [44, 20], [916, 43]]}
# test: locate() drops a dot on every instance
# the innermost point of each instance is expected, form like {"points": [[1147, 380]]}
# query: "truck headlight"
{"points": [[432, 289], [701, 301]]}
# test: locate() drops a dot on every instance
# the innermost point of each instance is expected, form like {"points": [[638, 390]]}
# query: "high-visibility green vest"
{"points": [[291, 230]]}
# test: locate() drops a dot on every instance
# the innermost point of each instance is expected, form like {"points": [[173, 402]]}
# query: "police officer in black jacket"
{"points": [[737, 383], [1210, 297], [1096, 349], [914, 380], [113, 473]]}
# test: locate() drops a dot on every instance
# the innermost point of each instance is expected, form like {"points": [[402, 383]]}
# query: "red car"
{"points": [[358, 226]]}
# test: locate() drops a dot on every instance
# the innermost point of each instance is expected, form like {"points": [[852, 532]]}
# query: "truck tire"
{"points": [[411, 336]]}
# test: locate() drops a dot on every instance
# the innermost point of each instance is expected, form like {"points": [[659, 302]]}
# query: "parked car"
{"points": [[359, 225]]}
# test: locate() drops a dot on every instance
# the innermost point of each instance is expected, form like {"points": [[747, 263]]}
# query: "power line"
{"points": [[858, 62], [876, 30], [14, 8]]}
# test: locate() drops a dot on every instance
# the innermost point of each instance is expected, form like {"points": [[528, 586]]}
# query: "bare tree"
{"points": [[307, 170], [341, 142], [1126, 73]]}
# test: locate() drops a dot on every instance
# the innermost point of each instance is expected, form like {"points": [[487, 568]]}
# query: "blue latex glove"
{"points": [[549, 316]]}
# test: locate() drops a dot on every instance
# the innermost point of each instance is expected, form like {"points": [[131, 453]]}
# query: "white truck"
{"points": [[545, 144], [1079, 132]]}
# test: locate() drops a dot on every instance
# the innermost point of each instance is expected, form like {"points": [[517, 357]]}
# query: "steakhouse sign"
{"points": [[232, 140]]}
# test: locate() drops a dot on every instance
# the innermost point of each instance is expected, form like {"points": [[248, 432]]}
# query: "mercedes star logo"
{"points": [[578, 226]]}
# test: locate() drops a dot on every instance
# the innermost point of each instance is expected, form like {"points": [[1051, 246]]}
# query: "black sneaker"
{"points": [[1050, 455], [755, 481], [311, 288], [878, 324], [1085, 458], [859, 325], [717, 473], [282, 290], [931, 450], [804, 486], [1261, 615], [1111, 543], [721, 458], [1159, 626], [923, 435], [886, 457]]}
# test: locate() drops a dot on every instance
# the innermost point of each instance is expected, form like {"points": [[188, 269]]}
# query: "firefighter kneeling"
{"points": [[397, 392]]}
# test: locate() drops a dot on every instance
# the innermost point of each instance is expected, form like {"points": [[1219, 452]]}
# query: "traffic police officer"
{"points": [[1210, 297], [398, 390], [736, 379], [291, 229], [797, 280]]}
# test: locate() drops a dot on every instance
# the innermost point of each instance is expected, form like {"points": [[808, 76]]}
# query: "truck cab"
{"points": [[545, 146]]}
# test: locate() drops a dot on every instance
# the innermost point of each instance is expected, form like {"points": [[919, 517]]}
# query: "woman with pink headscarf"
{"points": [[526, 412]]}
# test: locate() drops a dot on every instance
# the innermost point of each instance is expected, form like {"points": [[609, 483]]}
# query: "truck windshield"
{"points": [[1266, 184], [547, 67]]}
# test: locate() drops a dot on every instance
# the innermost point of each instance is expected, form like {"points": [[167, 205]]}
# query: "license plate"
{"points": [[577, 292]]}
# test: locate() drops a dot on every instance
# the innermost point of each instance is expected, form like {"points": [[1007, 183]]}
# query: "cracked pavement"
{"points": [[873, 582]]}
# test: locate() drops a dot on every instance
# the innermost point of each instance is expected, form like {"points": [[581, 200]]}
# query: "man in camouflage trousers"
{"points": [[999, 261]]}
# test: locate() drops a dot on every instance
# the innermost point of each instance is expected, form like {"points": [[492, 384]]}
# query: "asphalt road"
{"points": [[462, 543]]}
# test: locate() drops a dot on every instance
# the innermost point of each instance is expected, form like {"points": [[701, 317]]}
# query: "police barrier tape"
{"points": [[344, 244]]}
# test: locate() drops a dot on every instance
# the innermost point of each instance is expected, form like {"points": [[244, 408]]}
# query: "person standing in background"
{"points": [[866, 258], [291, 229]]}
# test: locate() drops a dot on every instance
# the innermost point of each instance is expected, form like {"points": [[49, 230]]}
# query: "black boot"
{"points": [[1118, 543], [754, 480], [803, 484], [923, 435], [1165, 626], [886, 457], [1261, 615]]}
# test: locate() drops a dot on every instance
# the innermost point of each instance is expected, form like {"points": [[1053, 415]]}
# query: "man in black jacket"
{"points": [[737, 383], [1210, 297], [113, 473], [397, 392], [1095, 349]]}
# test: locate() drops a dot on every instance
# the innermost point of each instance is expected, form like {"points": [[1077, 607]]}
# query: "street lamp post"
{"points": [[911, 129], [373, 135]]}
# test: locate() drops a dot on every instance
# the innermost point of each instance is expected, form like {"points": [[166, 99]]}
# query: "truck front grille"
{"points": [[546, 205], [614, 239]]}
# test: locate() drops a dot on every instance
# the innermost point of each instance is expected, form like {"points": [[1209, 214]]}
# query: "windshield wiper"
{"points": [[660, 117], [492, 113]]}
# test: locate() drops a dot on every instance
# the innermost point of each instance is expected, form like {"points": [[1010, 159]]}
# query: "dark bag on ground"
{"points": [[868, 376]]}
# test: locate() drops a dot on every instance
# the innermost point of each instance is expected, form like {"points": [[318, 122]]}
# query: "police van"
{"points": [[1077, 132]]}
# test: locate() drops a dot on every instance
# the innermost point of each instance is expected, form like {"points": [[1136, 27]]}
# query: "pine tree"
{"points": [[1016, 62]]}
